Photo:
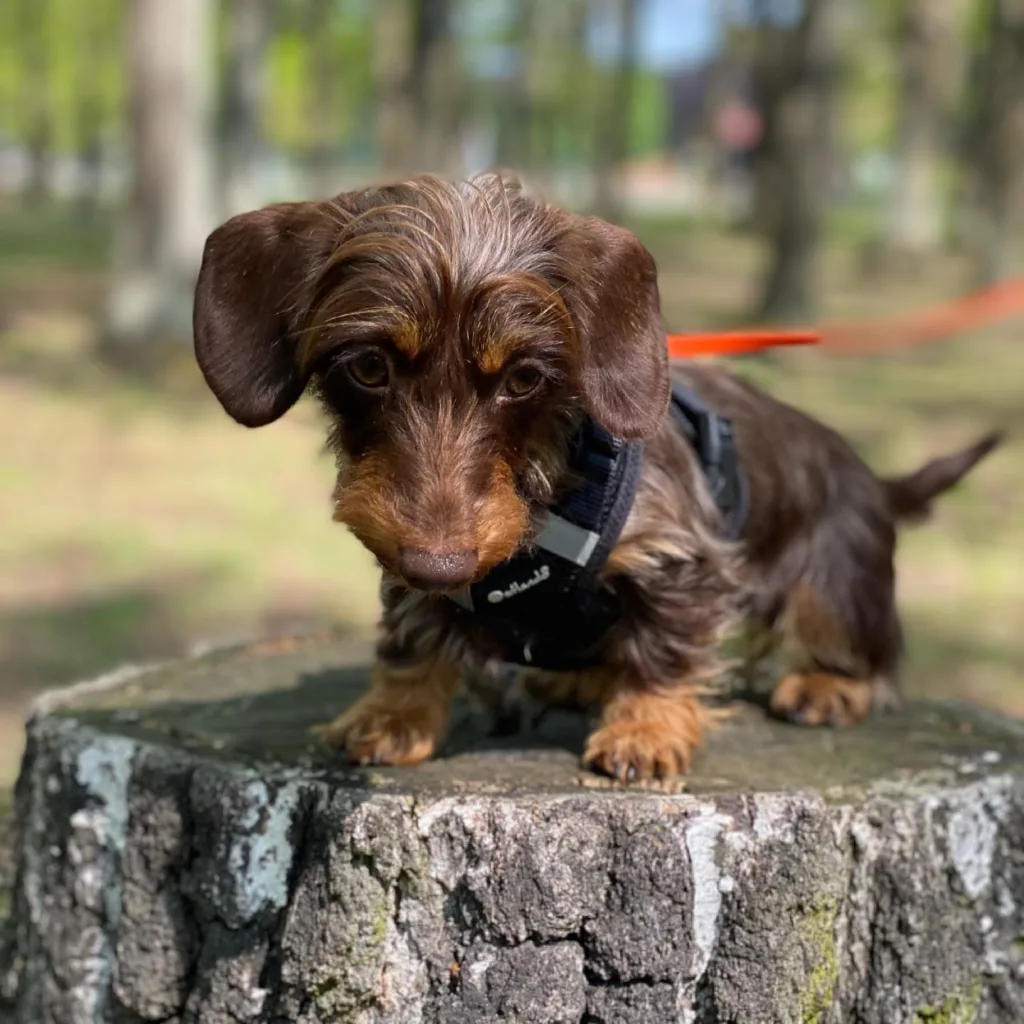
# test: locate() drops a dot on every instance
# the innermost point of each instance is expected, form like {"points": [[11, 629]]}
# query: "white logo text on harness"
{"points": [[497, 596]]}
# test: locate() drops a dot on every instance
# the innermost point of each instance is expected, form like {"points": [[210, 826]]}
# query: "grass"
{"points": [[139, 520]]}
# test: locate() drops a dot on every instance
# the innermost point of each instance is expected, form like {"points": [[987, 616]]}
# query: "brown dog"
{"points": [[460, 337]]}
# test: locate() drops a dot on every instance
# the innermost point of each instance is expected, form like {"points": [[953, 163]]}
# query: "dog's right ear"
{"points": [[610, 286], [250, 298]]}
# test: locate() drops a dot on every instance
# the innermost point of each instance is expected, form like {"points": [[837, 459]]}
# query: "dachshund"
{"points": [[540, 487]]}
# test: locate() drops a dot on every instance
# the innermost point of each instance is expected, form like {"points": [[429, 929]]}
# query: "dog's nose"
{"points": [[437, 570]]}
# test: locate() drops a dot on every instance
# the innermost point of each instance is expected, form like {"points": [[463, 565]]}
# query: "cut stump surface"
{"points": [[187, 854]]}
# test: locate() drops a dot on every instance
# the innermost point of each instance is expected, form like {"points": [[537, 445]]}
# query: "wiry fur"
{"points": [[455, 288]]}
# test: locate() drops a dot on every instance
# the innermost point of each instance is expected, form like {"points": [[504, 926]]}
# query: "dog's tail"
{"points": [[910, 497]]}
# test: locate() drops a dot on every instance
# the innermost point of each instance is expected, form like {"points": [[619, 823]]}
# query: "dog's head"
{"points": [[453, 332]]}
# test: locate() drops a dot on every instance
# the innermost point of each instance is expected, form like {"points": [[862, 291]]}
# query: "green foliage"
{"points": [[60, 60], [61, 67], [286, 122], [650, 115], [868, 96], [320, 75]]}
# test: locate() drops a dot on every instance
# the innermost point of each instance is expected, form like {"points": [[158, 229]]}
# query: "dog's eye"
{"points": [[369, 370], [522, 382]]}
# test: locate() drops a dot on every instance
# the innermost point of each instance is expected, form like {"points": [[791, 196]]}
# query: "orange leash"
{"points": [[735, 343], [998, 302]]}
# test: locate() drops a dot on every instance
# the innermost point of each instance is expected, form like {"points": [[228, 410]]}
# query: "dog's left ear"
{"points": [[610, 286], [249, 303]]}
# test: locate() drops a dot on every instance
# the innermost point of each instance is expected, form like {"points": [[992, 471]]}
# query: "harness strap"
{"points": [[544, 605], [714, 440]]}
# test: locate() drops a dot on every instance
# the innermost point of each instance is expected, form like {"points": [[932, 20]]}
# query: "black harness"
{"points": [[544, 604]]}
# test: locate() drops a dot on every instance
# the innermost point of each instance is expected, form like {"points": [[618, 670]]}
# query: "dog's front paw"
{"points": [[634, 751], [817, 698], [646, 735], [370, 733]]}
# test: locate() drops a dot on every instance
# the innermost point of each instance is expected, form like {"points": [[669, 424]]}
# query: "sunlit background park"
{"points": [[824, 161]]}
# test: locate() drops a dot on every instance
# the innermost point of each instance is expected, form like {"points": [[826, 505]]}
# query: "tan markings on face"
{"points": [[503, 519], [512, 310], [362, 502], [496, 351], [407, 338], [348, 312]]}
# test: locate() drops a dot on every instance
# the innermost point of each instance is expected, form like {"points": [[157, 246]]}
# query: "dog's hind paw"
{"points": [[817, 698]]}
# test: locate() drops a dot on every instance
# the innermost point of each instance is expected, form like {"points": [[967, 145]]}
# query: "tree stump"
{"points": [[187, 854]]}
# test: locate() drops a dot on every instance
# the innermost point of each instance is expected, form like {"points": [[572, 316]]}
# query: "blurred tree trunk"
{"points": [[996, 174], [770, 64], [436, 88], [247, 34], [169, 209], [392, 72], [89, 115], [930, 66], [795, 162], [709, 157], [546, 44], [615, 116], [94, 31], [37, 102], [707, 154], [576, 100]]}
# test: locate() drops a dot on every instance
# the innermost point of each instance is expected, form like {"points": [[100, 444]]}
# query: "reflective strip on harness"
{"points": [[563, 539], [567, 540]]}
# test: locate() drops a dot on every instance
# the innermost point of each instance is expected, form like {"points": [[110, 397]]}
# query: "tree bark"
{"points": [[169, 209], [245, 84], [996, 170], [930, 75], [186, 854], [794, 162], [534, 108]]}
